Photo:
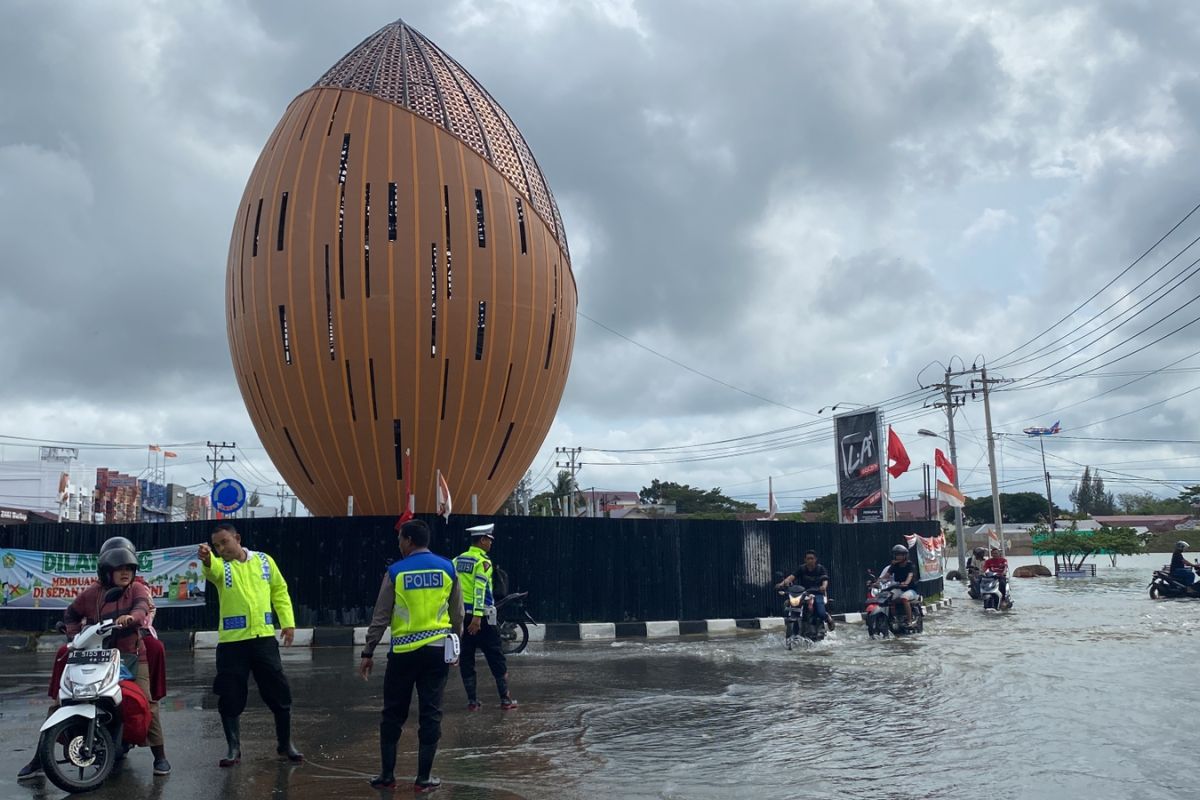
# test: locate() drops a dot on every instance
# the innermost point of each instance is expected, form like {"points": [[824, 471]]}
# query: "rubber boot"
{"points": [[283, 737], [386, 779], [233, 739], [425, 782], [469, 688]]}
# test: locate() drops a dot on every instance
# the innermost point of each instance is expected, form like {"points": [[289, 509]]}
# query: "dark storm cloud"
{"points": [[773, 193]]}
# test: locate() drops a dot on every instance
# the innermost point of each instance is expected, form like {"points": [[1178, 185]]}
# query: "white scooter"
{"points": [[81, 740], [989, 590]]}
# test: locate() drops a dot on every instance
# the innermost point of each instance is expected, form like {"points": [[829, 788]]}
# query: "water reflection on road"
{"points": [[1066, 696]]}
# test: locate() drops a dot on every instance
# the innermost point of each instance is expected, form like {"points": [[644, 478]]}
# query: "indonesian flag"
{"points": [[443, 496], [410, 501], [772, 504], [952, 496], [169, 454], [945, 466], [898, 460], [154, 448]]}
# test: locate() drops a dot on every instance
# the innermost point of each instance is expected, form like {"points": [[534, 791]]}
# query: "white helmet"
{"points": [[1181, 545]]}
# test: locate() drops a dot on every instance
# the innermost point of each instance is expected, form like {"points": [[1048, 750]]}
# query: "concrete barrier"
{"points": [[722, 626], [596, 631]]}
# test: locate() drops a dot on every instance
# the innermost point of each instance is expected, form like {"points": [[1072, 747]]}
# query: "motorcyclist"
{"points": [[998, 565], [904, 573], [1181, 568], [975, 569], [812, 577]]}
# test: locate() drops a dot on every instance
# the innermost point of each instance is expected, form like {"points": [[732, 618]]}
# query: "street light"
{"points": [[958, 516], [840, 404]]}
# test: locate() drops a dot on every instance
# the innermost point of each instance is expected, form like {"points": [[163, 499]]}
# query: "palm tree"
{"points": [[562, 487]]}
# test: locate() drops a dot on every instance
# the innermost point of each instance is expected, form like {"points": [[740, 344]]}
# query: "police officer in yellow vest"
{"points": [[421, 602], [249, 585], [475, 569]]}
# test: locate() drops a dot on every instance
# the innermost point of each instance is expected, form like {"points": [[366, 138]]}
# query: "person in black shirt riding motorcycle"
{"points": [[904, 573], [1181, 568], [813, 577]]}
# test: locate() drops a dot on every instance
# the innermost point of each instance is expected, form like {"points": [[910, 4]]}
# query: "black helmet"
{"points": [[113, 559], [117, 541], [899, 550], [979, 552]]}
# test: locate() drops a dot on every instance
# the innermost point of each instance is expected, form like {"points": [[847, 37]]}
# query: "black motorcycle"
{"points": [[1164, 585], [513, 622], [799, 616]]}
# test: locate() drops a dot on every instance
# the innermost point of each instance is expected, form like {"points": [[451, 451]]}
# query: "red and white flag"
{"points": [[898, 460], [154, 448], [945, 466], [443, 496], [772, 503], [410, 502], [952, 496]]}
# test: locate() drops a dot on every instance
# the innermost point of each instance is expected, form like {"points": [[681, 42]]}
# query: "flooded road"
{"points": [[1068, 695]]}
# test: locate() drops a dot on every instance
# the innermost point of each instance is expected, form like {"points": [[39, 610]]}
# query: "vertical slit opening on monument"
{"points": [[367, 239], [257, 220], [550, 342], [296, 453], [398, 451], [242, 253], [374, 398], [350, 393], [336, 103], [391, 212], [480, 326], [521, 225], [504, 396], [449, 271], [503, 446], [312, 106], [263, 397], [342, 169], [283, 335], [328, 305], [480, 230], [282, 221], [433, 303], [445, 384]]}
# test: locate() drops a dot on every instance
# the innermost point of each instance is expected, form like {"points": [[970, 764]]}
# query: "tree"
{"points": [[1089, 496], [1191, 495], [1147, 503], [1121, 541], [255, 501], [562, 488], [691, 500], [1016, 507], [825, 506], [1074, 546]]}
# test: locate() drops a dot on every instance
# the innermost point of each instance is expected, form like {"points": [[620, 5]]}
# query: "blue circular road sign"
{"points": [[228, 495]]}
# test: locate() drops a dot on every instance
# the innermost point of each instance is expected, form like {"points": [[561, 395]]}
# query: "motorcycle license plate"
{"points": [[88, 657]]}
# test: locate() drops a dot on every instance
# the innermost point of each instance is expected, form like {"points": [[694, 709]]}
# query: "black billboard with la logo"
{"points": [[860, 453]]}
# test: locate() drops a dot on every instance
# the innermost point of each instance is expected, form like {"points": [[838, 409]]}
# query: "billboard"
{"points": [[859, 466], [36, 579]]}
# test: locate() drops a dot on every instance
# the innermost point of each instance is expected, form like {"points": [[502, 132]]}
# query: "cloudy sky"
{"points": [[802, 203]]}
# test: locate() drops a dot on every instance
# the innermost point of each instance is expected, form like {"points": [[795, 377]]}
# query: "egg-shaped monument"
{"points": [[399, 280]]}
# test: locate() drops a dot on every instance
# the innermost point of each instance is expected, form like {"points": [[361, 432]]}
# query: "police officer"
{"points": [[249, 585], [421, 600], [475, 569]]}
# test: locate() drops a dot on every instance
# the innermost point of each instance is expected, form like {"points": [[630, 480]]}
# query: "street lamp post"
{"points": [[958, 516]]}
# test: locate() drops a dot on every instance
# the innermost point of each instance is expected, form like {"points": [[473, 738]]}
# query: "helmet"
{"points": [[899, 550], [979, 552], [1181, 545], [117, 541], [113, 559]]}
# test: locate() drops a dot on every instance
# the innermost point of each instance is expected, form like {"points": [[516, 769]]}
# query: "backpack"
{"points": [[135, 713]]}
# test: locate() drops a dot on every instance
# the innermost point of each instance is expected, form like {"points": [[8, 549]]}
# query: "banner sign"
{"points": [[35, 579], [929, 554], [859, 466]]}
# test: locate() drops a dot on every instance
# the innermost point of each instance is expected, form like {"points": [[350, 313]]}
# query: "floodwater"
{"points": [[1085, 688]]}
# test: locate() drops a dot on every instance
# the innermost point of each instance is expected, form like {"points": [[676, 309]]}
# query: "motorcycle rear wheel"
{"points": [[514, 636], [59, 749]]}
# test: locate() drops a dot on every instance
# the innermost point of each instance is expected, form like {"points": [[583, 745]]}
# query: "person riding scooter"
{"points": [[1181, 568], [998, 565], [974, 570], [904, 573]]}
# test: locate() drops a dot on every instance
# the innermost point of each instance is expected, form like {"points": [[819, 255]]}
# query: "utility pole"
{"points": [[216, 459], [1046, 472], [572, 454], [991, 443], [954, 399]]}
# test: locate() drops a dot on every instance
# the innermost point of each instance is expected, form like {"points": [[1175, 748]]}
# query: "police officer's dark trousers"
{"points": [[424, 669], [236, 662], [487, 640]]}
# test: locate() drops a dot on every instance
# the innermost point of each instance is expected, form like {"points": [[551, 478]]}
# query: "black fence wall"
{"points": [[576, 570]]}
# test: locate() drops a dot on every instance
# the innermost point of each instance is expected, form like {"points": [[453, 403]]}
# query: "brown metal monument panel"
{"points": [[377, 285]]}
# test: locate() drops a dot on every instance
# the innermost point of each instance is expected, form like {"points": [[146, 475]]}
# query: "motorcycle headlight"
{"points": [[794, 600], [89, 688]]}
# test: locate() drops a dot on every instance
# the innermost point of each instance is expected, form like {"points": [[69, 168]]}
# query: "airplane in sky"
{"points": [[1039, 431]]}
